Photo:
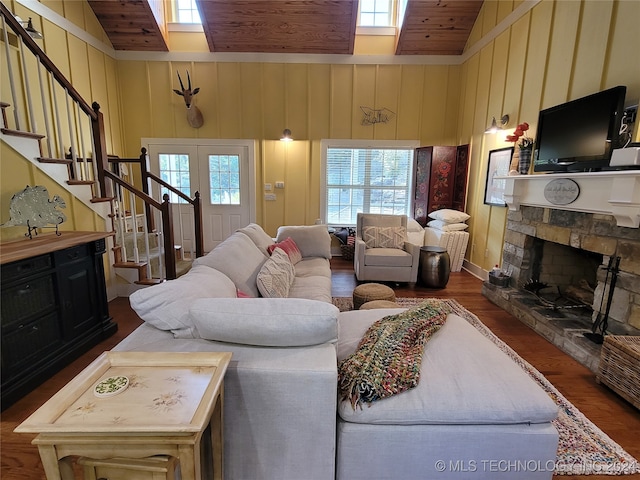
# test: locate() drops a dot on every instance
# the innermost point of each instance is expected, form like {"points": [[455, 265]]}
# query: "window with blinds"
{"points": [[365, 179]]}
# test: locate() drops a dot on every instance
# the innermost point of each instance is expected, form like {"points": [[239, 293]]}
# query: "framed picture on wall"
{"points": [[498, 166]]}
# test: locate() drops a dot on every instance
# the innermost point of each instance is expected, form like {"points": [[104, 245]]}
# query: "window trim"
{"points": [[325, 144], [249, 144], [377, 31]]}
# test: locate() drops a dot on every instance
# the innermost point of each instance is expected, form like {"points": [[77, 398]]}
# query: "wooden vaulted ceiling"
{"points": [[430, 27]]}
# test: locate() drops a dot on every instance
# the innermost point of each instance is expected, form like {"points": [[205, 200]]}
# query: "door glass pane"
{"points": [[224, 179], [174, 169]]}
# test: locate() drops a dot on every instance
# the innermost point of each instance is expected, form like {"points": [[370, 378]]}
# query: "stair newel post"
{"points": [[167, 233], [101, 157], [144, 170], [197, 216]]}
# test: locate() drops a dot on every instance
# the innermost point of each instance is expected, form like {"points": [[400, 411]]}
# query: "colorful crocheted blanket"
{"points": [[388, 358]]}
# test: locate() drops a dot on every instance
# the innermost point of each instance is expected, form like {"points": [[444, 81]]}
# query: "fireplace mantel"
{"points": [[614, 193]]}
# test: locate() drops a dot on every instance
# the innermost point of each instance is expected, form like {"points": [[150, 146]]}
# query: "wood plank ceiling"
{"points": [[430, 27]]}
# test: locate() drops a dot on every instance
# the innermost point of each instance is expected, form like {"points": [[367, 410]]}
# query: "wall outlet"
{"points": [[279, 184], [267, 187], [270, 197]]}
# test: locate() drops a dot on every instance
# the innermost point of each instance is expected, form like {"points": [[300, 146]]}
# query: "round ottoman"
{"points": [[379, 304], [368, 292]]}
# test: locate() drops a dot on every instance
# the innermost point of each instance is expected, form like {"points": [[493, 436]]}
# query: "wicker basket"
{"points": [[619, 367], [347, 251]]}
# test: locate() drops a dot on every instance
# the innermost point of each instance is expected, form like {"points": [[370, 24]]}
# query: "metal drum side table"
{"points": [[435, 266]]}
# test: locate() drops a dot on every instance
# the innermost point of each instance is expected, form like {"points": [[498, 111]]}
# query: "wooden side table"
{"points": [[170, 400]]}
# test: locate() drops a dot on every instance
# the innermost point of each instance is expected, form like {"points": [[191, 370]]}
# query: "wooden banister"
{"points": [[109, 184], [46, 61]]}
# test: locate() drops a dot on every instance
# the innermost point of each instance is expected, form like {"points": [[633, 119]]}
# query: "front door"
{"points": [[221, 173]]}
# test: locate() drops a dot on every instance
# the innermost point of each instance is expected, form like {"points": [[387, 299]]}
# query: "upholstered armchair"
{"points": [[382, 252]]}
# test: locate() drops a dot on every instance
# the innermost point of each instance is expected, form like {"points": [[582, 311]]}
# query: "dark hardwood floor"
{"points": [[616, 417]]}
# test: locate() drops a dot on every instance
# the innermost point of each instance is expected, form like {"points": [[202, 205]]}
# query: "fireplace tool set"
{"points": [[599, 327]]}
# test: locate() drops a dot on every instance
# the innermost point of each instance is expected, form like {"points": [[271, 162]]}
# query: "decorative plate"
{"points": [[111, 386]]}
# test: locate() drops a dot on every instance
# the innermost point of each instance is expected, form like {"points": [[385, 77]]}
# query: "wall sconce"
{"points": [[28, 26], [286, 136], [494, 124]]}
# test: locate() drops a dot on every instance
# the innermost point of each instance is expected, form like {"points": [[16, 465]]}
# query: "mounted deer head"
{"points": [[194, 115]]}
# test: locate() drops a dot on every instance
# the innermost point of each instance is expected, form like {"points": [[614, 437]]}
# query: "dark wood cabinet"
{"points": [[54, 306], [440, 179]]}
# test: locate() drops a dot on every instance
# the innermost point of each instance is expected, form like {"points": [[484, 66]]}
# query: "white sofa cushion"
{"points": [[239, 259], [312, 240], [464, 380], [313, 267], [276, 275], [316, 287], [166, 305], [259, 237], [271, 322]]}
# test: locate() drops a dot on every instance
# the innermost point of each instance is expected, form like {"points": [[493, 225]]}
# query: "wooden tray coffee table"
{"points": [[168, 402]]}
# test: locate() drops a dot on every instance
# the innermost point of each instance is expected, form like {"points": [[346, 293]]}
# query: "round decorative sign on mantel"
{"points": [[561, 191]]}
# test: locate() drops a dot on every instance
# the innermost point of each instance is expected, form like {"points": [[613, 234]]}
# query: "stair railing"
{"points": [[135, 171], [70, 123], [75, 135]]}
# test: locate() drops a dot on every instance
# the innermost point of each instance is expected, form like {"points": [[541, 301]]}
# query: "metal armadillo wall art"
{"points": [[33, 207]]}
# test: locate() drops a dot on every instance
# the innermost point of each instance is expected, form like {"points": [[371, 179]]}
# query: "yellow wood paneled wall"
{"points": [[555, 52], [315, 101], [558, 51]]}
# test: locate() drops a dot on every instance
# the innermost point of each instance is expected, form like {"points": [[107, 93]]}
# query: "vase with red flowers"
{"points": [[524, 144]]}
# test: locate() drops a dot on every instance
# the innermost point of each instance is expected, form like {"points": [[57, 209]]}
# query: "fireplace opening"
{"points": [[563, 276]]}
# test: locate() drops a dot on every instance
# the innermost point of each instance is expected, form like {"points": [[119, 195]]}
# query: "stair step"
{"points": [[102, 199], [53, 160], [138, 265], [80, 182], [20, 133], [149, 281]]}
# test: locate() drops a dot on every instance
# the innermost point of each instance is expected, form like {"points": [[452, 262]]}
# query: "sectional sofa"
{"points": [[474, 414]]}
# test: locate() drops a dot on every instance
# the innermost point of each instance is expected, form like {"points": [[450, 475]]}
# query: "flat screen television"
{"points": [[579, 135]]}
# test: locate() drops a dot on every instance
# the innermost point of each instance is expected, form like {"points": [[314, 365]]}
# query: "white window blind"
{"points": [[368, 180]]}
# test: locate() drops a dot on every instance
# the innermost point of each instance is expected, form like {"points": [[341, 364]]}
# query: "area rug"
{"points": [[583, 449]]}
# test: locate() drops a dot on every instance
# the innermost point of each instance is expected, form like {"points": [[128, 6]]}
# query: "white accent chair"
{"points": [[384, 264]]}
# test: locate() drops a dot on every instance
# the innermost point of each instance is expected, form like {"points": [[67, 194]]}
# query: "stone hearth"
{"points": [[534, 226], [563, 328]]}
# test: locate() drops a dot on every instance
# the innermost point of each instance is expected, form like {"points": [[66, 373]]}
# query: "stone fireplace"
{"points": [[564, 247]]}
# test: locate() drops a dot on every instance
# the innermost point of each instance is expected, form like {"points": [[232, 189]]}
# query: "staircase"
{"points": [[70, 148]]}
